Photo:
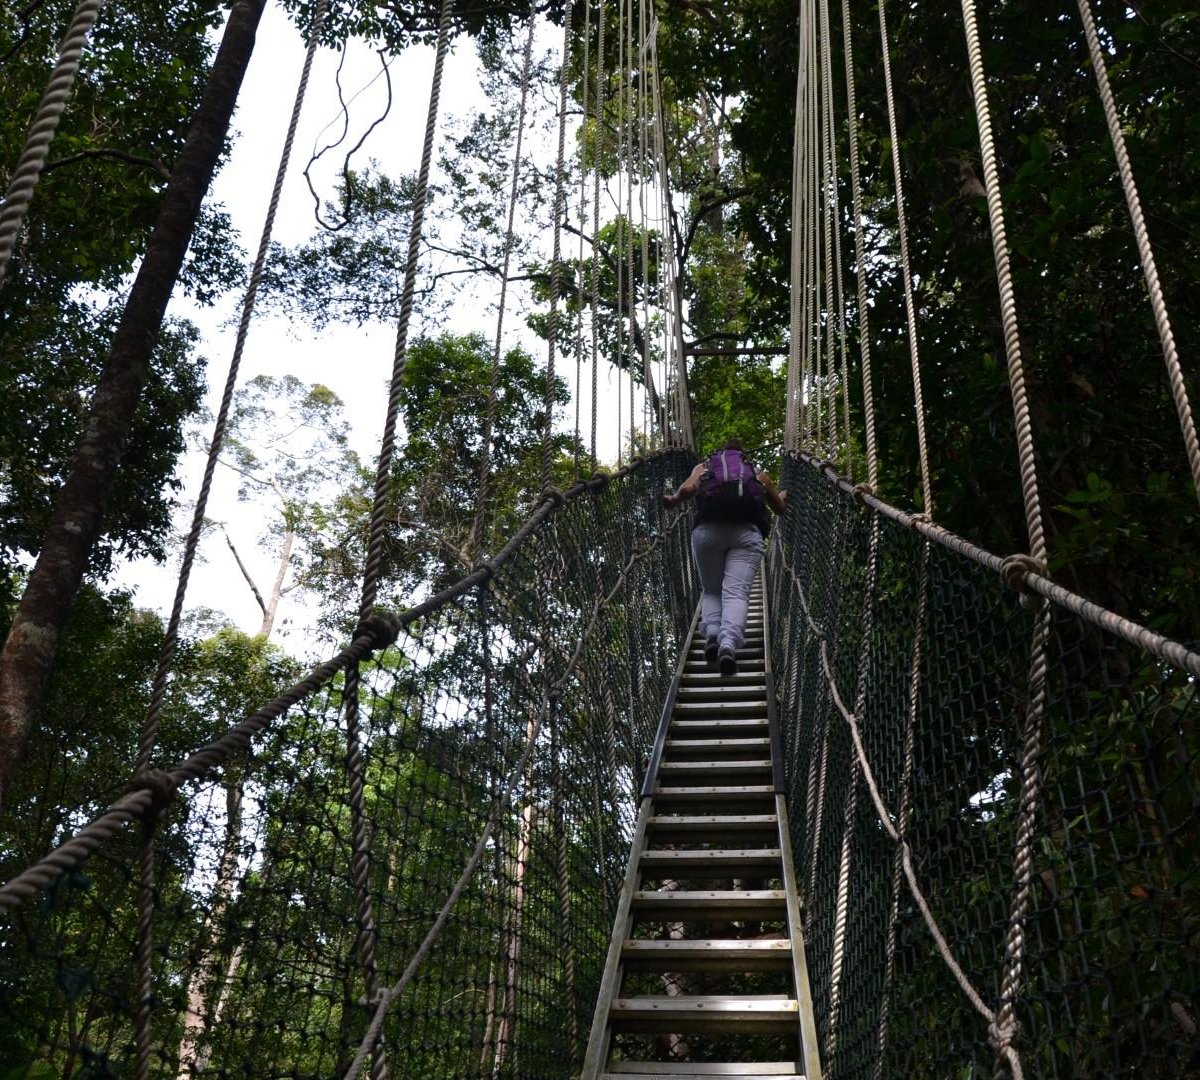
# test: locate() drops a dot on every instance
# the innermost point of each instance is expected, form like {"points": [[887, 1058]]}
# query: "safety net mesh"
{"points": [[1112, 957], [263, 945]]}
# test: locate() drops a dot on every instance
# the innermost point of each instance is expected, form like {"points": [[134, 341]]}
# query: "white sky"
{"points": [[353, 362]]}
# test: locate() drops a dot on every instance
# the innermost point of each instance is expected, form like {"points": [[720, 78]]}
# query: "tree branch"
{"points": [[114, 155], [242, 567]]}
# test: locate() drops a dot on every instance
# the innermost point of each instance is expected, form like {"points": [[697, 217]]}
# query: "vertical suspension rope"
{"points": [[150, 724], [579, 282], [1004, 1026], [373, 566], [1141, 234], [489, 419], [556, 256], [902, 229], [630, 124], [622, 8], [28, 169], [828, 183], [791, 413], [860, 258], [835, 204], [597, 154]]}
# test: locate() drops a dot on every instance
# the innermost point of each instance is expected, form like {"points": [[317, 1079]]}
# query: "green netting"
{"points": [[1112, 954], [257, 970]]}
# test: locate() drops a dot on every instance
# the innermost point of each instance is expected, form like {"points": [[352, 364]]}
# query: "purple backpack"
{"points": [[730, 491]]}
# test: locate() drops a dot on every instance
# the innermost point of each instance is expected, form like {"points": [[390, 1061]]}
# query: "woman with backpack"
{"points": [[728, 535]]}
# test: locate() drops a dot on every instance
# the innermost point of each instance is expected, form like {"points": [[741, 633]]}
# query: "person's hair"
{"points": [[734, 444]]}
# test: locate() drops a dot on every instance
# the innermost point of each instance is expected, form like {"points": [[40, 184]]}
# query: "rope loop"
{"points": [[861, 491], [553, 495], [487, 568], [161, 786], [1014, 568], [382, 627], [1001, 1034], [919, 518]]}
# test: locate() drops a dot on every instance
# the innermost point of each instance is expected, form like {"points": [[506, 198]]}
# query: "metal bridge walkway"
{"points": [[707, 954]]}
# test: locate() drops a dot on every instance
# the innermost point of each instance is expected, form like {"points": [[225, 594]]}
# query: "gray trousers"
{"points": [[727, 557]]}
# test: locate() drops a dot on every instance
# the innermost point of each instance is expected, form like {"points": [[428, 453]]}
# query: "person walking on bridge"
{"points": [[728, 536]]}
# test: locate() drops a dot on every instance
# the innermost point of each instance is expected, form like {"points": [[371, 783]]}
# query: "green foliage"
{"points": [[123, 128]]}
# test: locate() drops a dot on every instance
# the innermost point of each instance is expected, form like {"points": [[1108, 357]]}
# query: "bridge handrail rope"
{"points": [[158, 786], [28, 170], [549, 696]]}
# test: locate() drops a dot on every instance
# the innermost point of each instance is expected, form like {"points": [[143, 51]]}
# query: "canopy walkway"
{"points": [[944, 822]]}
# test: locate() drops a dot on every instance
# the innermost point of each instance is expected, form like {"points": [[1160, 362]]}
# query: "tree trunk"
{"points": [[508, 1021], [79, 512], [268, 622], [197, 1017]]}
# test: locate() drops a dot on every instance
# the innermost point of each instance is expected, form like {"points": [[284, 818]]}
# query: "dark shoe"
{"points": [[727, 662], [710, 650]]}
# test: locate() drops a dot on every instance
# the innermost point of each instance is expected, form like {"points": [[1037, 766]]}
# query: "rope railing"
{"points": [[584, 609], [944, 803]]}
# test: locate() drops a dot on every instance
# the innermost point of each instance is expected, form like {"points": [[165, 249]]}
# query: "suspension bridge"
{"points": [[942, 823]]}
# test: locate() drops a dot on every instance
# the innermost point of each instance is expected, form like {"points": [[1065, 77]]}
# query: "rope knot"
{"points": [[553, 494], [1014, 568], [382, 627], [919, 518], [161, 785], [489, 571], [1001, 1033], [828, 467], [862, 490]]}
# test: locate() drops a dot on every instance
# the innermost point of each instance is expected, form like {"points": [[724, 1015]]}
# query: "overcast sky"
{"points": [[353, 362]]}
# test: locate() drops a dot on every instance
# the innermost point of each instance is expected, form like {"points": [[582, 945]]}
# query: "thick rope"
{"points": [[373, 567], [489, 419], [828, 188], [28, 169], [560, 200], [155, 787], [1004, 1028], [1145, 252], [860, 258], [1008, 307], [906, 267], [166, 654], [597, 154], [146, 894], [839, 286], [579, 283]]}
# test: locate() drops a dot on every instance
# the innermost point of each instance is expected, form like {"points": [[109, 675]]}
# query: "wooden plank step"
{"points": [[724, 1015], [717, 728], [706, 824], [730, 798], [746, 664], [693, 710], [732, 771], [728, 690], [749, 650], [715, 861], [697, 905], [708, 954], [718, 748], [695, 1070], [707, 676]]}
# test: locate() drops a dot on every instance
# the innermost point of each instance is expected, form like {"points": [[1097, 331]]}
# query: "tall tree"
{"points": [[79, 509]]}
